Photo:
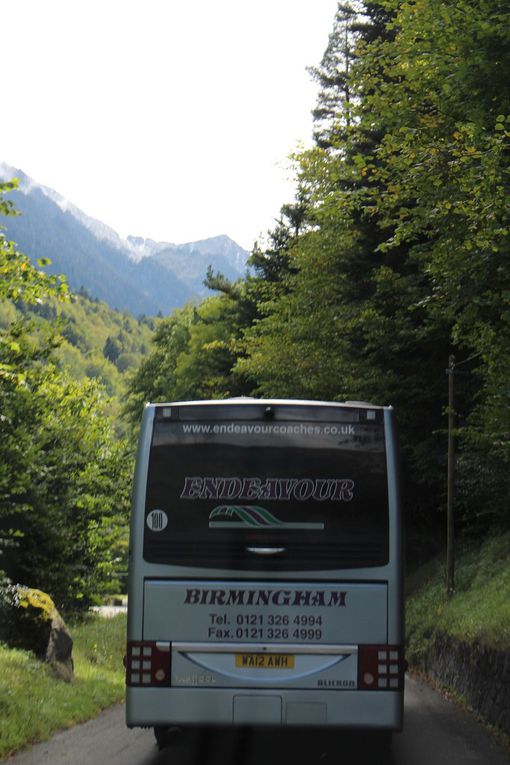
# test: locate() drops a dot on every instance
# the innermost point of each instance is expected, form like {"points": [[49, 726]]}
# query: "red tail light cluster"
{"points": [[380, 668], [148, 664]]}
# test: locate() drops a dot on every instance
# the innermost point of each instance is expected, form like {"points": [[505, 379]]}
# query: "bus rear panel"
{"points": [[265, 582]]}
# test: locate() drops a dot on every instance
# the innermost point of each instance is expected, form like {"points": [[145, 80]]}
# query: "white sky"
{"points": [[168, 119]]}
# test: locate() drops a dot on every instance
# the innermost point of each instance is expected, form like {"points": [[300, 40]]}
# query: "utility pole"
{"points": [[450, 526]]}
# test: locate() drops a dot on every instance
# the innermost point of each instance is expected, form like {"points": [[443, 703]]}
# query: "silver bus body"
{"points": [[265, 575]]}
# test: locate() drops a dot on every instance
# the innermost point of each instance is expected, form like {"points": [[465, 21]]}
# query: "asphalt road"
{"points": [[436, 733]]}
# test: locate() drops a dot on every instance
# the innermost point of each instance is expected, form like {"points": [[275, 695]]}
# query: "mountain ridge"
{"points": [[134, 273]]}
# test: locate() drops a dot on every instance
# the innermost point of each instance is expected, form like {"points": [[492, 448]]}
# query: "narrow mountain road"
{"points": [[436, 733]]}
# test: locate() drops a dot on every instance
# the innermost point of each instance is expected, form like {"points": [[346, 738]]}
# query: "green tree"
{"points": [[440, 189], [354, 319], [64, 486], [155, 378], [112, 349], [194, 351], [63, 474], [394, 255], [19, 279]]}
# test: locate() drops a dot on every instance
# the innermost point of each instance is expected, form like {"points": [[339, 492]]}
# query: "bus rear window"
{"points": [[243, 495]]}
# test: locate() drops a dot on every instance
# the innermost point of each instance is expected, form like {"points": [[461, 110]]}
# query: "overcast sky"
{"points": [[167, 119]]}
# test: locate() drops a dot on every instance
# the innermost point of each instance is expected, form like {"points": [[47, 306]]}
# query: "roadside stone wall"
{"points": [[480, 675]]}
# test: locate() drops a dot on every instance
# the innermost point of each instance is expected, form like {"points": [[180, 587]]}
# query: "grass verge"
{"points": [[34, 704], [479, 610]]}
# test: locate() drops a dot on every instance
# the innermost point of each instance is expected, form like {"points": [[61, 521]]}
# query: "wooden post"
{"points": [[450, 526]]}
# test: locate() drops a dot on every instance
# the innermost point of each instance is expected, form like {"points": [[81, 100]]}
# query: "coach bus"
{"points": [[265, 573]]}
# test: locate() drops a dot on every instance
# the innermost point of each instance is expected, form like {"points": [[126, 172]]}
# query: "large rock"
{"points": [[30, 620]]}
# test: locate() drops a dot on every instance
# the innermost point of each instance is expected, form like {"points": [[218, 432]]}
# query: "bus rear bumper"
{"points": [[378, 710]]}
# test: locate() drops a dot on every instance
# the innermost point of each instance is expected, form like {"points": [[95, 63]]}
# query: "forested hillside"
{"points": [[92, 340], [392, 257]]}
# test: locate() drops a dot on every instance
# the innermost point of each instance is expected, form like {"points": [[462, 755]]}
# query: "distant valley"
{"points": [[134, 274]]}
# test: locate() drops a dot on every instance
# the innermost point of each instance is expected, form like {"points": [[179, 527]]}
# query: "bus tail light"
{"points": [[380, 668], [148, 664]]}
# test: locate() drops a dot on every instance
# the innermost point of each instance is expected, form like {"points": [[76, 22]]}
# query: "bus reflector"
{"points": [[148, 664], [380, 668]]}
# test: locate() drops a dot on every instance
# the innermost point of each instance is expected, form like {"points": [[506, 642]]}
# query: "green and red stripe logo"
{"points": [[252, 517]]}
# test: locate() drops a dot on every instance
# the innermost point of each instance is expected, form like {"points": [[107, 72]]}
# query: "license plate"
{"points": [[265, 660]]}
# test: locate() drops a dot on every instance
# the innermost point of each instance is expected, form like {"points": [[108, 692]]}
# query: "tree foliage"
{"points": [[194, 351], [19, 279], [395, 253], [64, 476]]}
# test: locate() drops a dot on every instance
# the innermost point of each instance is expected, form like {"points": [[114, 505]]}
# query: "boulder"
{"points": [[30, 620]]}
